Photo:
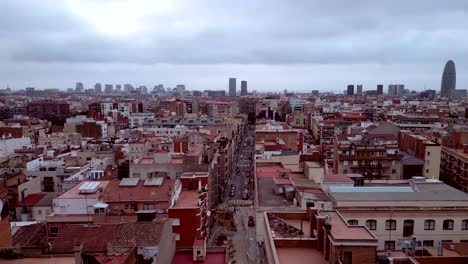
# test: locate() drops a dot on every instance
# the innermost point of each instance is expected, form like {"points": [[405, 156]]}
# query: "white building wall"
{"points": [[74, 205], [456, 235], [8, 146]]}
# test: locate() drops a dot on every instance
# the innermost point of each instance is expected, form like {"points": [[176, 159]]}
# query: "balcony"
{"points": [[360, 157]]}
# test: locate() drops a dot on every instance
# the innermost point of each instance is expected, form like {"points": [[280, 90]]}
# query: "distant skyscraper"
{"points": [[400, 90], [244, 88], [108, 88], [180, 87], [79, 87], [359, 90], [118, 88], [392, 89], [379, 89], [98, 88], [350, 90], [232, 87], [128, 88], [449, 79]]}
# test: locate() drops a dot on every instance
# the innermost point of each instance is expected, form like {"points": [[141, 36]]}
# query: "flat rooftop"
{"points": [[187, 257], [74, 193], [188, 199], [428, 190], [341, 230], [300, 255]]}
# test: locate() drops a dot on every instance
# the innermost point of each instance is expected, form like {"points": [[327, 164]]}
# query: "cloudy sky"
{"points": [[274, 44]]}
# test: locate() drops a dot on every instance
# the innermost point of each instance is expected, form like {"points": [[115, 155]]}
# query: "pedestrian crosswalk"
{"points": [[241, 203]]}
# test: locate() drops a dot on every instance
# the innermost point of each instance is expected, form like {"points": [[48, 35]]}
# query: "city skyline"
{"points": [[299, 47]]}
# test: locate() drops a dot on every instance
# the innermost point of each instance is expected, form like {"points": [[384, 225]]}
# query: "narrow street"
{"points": [[239, 198]]}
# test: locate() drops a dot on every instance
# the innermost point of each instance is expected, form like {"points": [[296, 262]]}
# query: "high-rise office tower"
{"points": [[232, 87], [449, 79], [243, 88], [108, 88], [79, 87], [400, 90], [392, 89], [359, 90], [180, 87], [128, 88], [118, 88], [350, 90], [379, 89], [98, 88]]}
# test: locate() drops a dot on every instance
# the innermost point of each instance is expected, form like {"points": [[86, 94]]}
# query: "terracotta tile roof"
{"points": [[115, 193], [32, 199], [143, 234], [30, 236], [93, 238]]}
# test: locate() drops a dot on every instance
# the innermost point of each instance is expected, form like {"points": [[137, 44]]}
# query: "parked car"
{"points": [[251, 221]]}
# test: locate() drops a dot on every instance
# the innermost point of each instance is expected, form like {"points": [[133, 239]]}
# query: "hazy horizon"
{"points": [[274, 45]]}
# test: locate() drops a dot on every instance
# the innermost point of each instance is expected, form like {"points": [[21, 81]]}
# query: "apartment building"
{"points": [[424, 149], [190, 217], [376, 156], [316, 236], [426, 209], [454, 167]]}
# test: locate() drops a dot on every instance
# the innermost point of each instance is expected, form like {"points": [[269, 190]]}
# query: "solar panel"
{"points": [[337, 189], [89, 187], [153, 181], [129, 182]]}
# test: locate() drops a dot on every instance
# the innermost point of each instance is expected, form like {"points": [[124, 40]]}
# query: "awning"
{"points": [[101, 205]]}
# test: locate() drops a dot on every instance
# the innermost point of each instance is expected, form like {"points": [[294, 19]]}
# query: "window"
{"points": [[390, 225], [371, 224], [429, 225], [345, 171], [353, 222], [448, 224], [393, 171], [408, 227], [428, 243], [177, 236], [464, 224], [53, 229], [347, 257], [428, 153], [175, 221], [345, 163], [389, 245]]}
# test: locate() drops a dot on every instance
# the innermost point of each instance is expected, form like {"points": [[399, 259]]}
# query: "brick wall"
{"points": [[359, 254]]}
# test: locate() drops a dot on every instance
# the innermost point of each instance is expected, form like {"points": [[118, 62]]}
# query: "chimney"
{"points": [[24, 210], [78, 249]]}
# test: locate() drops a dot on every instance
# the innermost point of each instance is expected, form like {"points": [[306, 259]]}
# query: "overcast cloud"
{"points": [[274, 44]]}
